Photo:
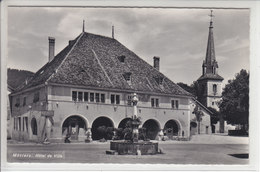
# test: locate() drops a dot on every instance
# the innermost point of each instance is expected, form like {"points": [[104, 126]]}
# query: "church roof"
{"points": [[93, 61], [210, 76]]}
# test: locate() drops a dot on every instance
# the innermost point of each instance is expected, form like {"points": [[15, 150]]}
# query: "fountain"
{"points": [[133, 146]]}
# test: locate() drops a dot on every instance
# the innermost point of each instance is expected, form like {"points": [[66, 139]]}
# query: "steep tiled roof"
{"points": [[92, 60], [210, 76]]}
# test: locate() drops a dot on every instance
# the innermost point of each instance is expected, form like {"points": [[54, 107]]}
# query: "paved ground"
{"points": [[203, 149]]}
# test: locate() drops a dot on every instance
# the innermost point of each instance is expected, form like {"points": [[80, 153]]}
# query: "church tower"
{"points": [[210, 83]]}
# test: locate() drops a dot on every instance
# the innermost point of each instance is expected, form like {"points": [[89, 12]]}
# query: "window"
{"points": [[74, 95], [91, 97], [97, 97], [121, 58], [17, 103], [154, 102], [23, 123], [157, 102], [214, 88], [129, 100], [24, 101], [36, 97], [112, 98], [102, 98], [127, 76], [19, 123], [117, 99], [26, 123], [212, 103], [34, 126], [159, 80], [85, 96], [175, 104], [80, 96], [14, 123]]}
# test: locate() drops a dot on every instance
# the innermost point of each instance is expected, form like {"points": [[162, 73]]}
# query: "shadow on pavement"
{"points": [[242, 155]]}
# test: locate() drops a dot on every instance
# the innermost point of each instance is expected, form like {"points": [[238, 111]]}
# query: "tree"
{"points": [[235, 102], [199, 114], [193, 88]]}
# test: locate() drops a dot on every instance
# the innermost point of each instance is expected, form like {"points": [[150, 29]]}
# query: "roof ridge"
{"points": [[65, 56], [95, 55]]}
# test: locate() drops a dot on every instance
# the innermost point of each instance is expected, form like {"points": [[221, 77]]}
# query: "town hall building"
{"points": [[90, 83]]}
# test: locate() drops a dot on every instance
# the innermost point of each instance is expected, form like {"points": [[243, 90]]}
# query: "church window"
{"points": [[214, 88]]}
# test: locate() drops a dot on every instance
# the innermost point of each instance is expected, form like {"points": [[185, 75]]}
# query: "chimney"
{"points": [[51, 48], [156, 62]]}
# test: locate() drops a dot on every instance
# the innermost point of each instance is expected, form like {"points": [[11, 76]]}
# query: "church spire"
{"points": [[210, 63]]}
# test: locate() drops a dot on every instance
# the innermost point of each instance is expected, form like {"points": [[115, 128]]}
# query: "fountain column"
{"points": [[135, 122]]}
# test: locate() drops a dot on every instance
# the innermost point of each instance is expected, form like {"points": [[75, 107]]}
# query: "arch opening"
{"points": [[123, 123], [74, 126], [171, 129], [151, 128], [34, 126], [101, 128]]}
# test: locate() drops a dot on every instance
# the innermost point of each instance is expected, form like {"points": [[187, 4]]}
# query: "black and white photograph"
{"points": [[128, 85]]}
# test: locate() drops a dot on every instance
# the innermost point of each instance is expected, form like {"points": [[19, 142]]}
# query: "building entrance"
{"points": [[73, 127]]}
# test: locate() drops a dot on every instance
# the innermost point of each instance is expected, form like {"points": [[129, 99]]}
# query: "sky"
{"points": [[177, 35]]}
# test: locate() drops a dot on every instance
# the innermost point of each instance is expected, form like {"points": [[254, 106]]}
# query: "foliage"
{"points": [[102, 131], [235, 102], [109, 133], [199, 114], [214, 118], [17, 77], [193, 88]]}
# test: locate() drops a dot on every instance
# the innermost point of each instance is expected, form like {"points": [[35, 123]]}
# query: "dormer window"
{"points": [[127, 77], [159, 80], [121, 59]]}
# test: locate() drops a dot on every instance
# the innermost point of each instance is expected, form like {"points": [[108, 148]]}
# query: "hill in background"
{"points": [[16, 77]]}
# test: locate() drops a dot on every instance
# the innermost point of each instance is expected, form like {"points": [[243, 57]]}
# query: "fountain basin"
{"points": [[130, 148]]}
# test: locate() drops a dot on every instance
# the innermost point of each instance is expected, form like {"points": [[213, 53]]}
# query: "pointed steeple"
{"points": [[210, 63]]}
